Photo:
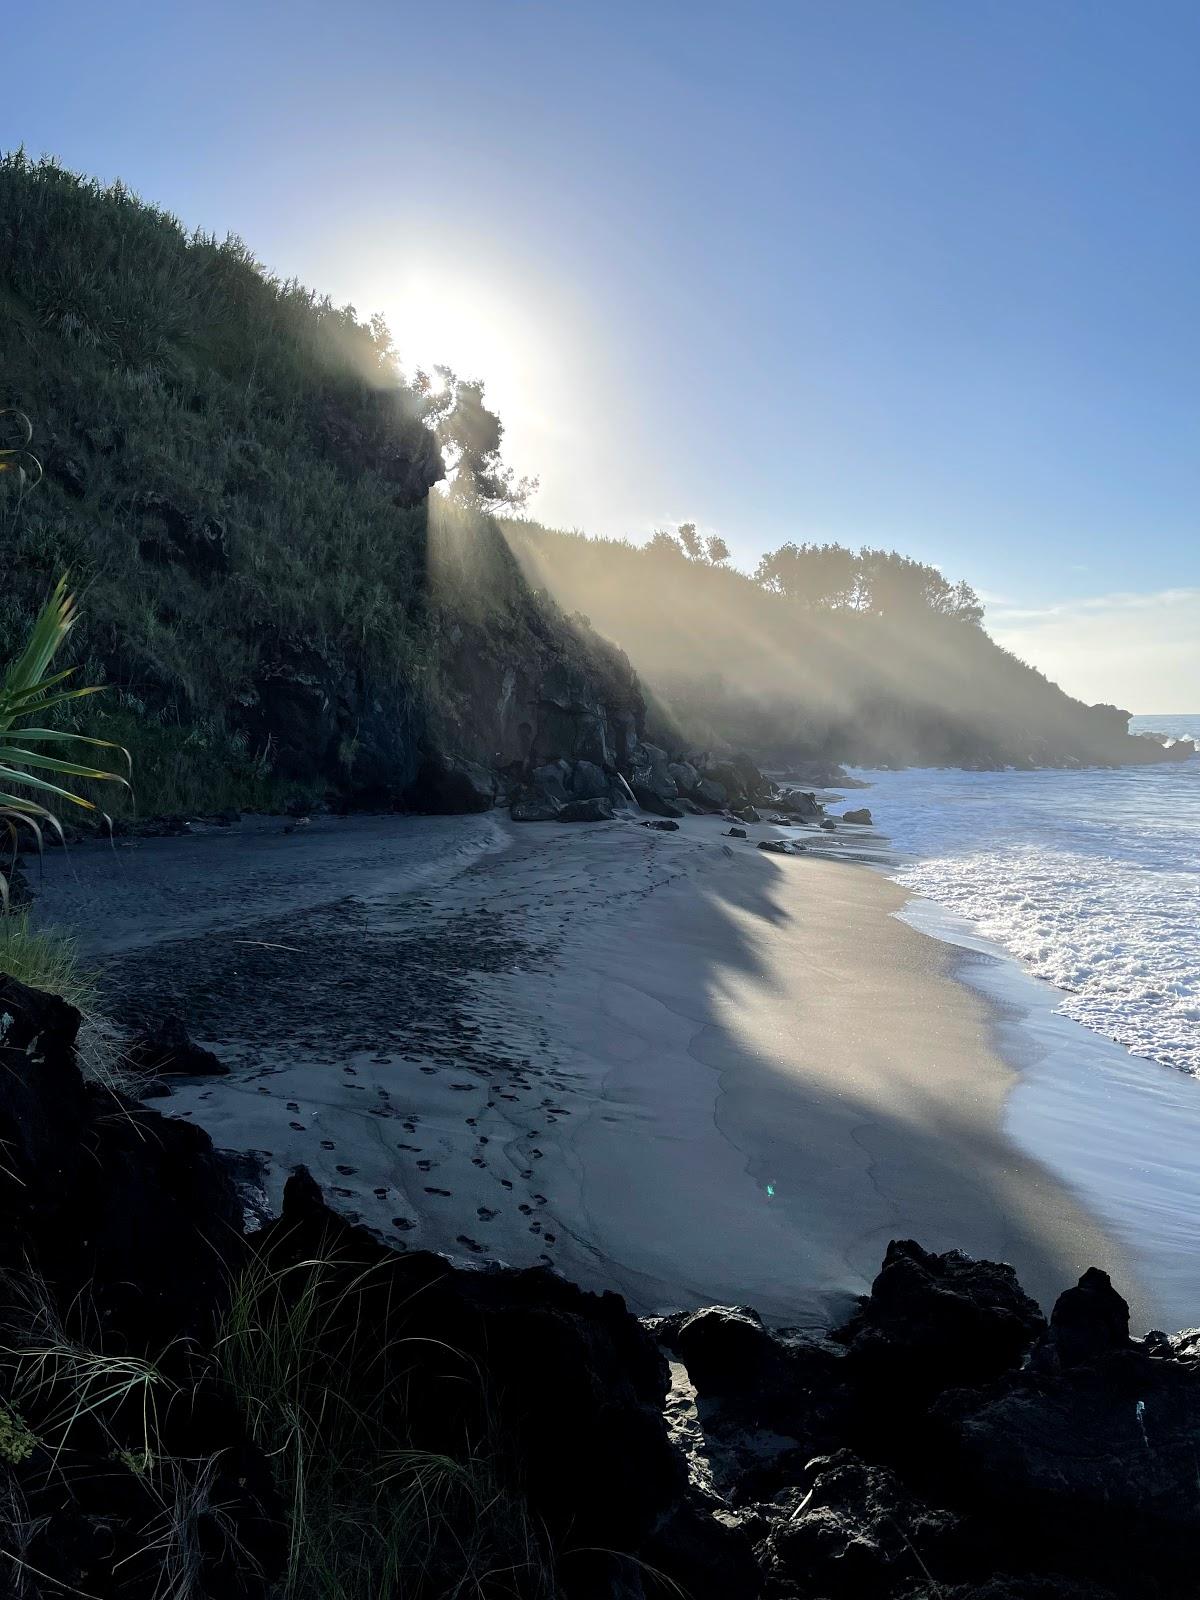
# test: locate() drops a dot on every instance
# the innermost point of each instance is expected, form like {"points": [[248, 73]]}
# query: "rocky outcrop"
{"points": [[163, 1049], [946, 1440]]}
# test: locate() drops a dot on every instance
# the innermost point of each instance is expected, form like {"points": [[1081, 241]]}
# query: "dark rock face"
{"points": [[586, 811], [533, 805], [576, 1383], [735, 833], [650, 800], [101, 1194], [856, 1531], [861, 817], [164, 1050], [1088, 1322], [935, 1321], [711, 795], [451, 784]]}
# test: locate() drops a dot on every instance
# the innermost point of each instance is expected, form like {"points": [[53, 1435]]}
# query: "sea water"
{"points": [[1089, 878], [1091, 881]]}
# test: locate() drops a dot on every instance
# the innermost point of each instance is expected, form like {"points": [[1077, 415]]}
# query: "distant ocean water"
{"points": [[1090, 879]]}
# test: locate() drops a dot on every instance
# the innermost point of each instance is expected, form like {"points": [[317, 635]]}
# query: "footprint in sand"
{"points": [[446, 1194], [380, 1194], [426, 1166], [299, 1127], [478, 1161], [526, 1210], [293, 1105], [346, 1194], [428, 1069], [328, 1144], [417, 1148], [540, 1198], [550, 1238], [485, 1213], [346, 1172], [404, 1223], [505, 1183], [471, 1244], [353, 1071]]}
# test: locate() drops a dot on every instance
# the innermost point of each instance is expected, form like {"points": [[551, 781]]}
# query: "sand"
{"points": [[667, 1063]]}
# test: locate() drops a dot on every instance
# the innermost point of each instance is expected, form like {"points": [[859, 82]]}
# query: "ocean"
{"points": [[1089, 879]]}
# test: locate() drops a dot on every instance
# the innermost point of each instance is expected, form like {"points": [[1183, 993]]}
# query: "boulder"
{"points": [[566, 1384], [829, 825], [587, 781], [735, 833], [801, 802], [857, 1531], [684, 776], [662, 825], [650, 800], [779, 847], [712, 795], [861, 817], [649, 769], [1088, 1322], [535, 805], [933, 1322], [446, 785], [554, 778], [164, 1050], [748, 814], [101, 1196], [598, 810]]}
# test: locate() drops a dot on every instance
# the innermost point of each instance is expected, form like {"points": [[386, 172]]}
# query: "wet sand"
{"points": [[670, 1064]]}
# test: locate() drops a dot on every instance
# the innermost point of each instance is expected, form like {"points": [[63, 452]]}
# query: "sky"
{"points": [[914, 273]]}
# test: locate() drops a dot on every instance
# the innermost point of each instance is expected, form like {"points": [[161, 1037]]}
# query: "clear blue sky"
{"points": [[913, 272]]}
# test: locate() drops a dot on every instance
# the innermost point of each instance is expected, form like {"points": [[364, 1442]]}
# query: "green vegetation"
{"points": [[323, 1395], [234, 470], [237, 473], [824, 653], [327, 1400], [43, 959]]}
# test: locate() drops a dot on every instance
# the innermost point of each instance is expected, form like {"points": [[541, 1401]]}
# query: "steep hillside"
{"points": [[825, 653], [238, 479]]}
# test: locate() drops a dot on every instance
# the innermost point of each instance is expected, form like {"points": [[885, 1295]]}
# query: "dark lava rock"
{"points": [[1088, 1322], [650, 800], [861, 816], [735, 833], [534, 805], [933, 1322], [598, 810], [573, 1386], [101, 1196], [588, 781], [780, 847], [163, 1050], [858, 1532]]}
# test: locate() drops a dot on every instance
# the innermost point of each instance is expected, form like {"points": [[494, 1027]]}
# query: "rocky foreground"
{"points": [[945, 1441]]}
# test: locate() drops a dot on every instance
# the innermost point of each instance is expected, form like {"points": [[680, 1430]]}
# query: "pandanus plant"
{"points": [[34, 757]]}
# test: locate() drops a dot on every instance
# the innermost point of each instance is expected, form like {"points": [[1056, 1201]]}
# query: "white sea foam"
{"points": [[1091, 879]]}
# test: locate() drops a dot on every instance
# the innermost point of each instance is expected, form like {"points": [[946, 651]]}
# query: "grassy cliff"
{"points": [[237, 477], [824, 653]]}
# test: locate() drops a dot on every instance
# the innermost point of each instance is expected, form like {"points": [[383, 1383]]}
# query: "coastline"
{"points": [[665, 1063], [1120, 1130]]}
